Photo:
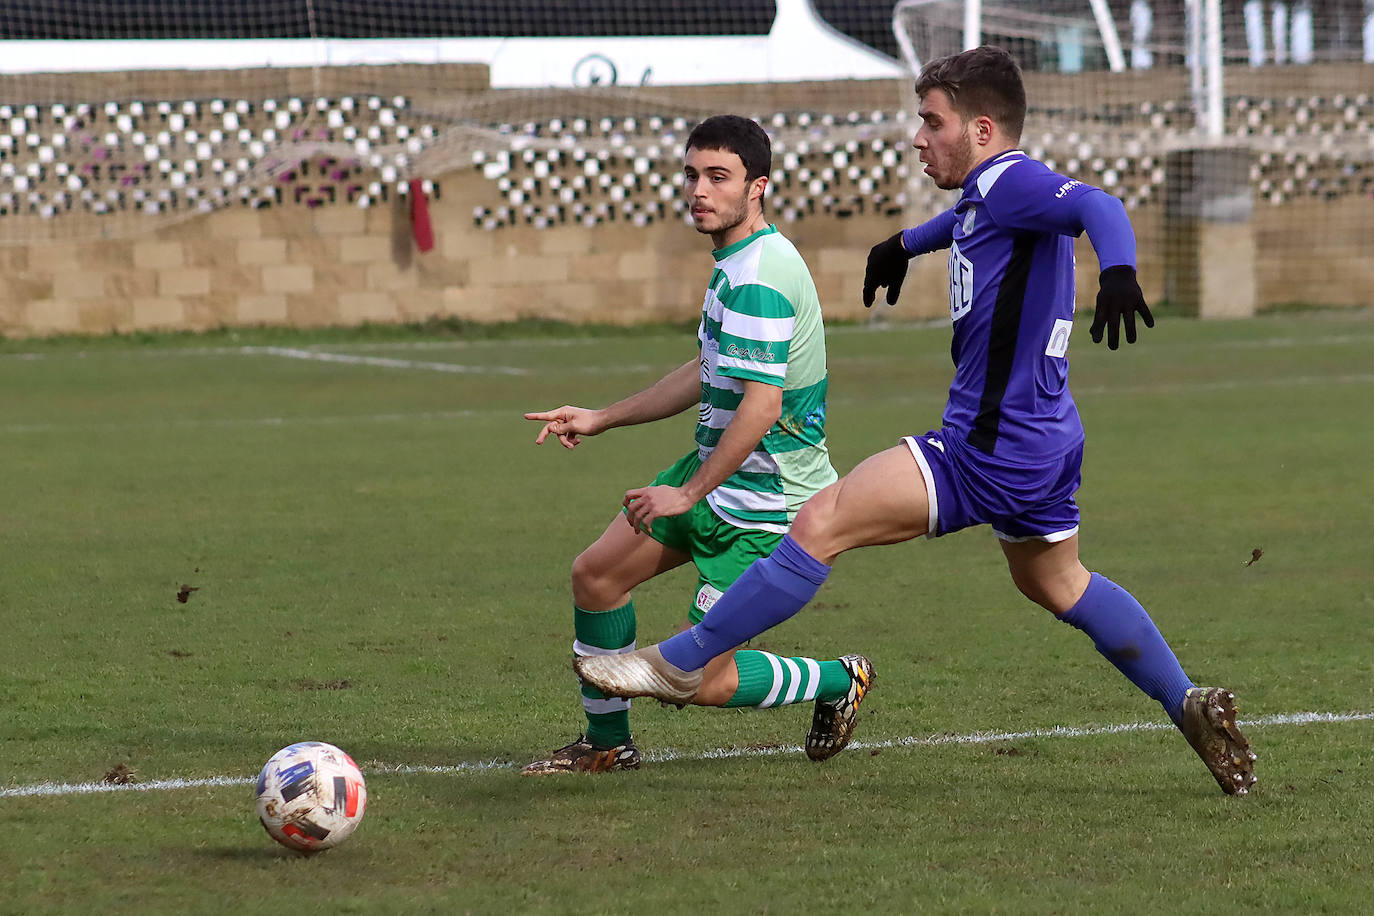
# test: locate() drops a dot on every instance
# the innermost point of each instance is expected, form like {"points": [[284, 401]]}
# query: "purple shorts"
{"points": [[967, 487]]}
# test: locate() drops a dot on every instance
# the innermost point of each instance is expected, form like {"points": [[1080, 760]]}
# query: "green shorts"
{"points": [[720, 550]]}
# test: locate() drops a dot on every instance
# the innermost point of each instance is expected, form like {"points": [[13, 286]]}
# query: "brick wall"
{"points": [[345, 265]]}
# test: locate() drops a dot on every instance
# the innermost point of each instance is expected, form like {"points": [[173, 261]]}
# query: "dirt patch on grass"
{"points": [[305, 683], [121, 774]]}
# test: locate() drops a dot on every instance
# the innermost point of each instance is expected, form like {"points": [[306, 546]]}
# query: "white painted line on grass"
{"points": [[90, 788], [592, 340], [420, 416], [1278, 381], [314, 354], [381, 361], [351, 359], [916, 396], [668, 755]]}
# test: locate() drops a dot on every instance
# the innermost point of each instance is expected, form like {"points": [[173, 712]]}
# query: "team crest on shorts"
{"points": [[707, 595]]}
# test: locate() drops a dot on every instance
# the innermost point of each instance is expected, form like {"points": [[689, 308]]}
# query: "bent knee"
{"points": [[1055, 594], [593, 584], [820, 527], [1035, 592], [817, 515]]}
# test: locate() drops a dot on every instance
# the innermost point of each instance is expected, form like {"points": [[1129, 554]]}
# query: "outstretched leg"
{"points": [[1052, 576], [882, 501]]}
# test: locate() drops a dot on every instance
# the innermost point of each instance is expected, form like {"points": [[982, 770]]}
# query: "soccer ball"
{"points": [[311, 796]]}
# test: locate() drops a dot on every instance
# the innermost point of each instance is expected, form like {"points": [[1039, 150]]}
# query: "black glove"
{"points": [[886, 267], [1118, 297]]}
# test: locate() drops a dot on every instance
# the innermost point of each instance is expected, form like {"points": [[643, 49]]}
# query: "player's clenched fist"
{"points": [[645, 504]]}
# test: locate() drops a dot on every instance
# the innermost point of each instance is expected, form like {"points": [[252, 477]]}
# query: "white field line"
{"points": [[928, 395], [354, 359], [419, 416], [669, 755], [381, 361], [936, 324], [939, 395], [1279, 381]]}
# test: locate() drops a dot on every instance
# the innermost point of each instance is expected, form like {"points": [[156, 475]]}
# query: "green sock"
{"points": [[605, 633], [768, 680]]}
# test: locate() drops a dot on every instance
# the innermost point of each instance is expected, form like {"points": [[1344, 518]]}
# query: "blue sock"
{"points": [[770, 591], [1126, 636]]}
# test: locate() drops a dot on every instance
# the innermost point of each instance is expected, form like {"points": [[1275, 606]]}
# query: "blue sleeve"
{"points": [[1044, 201], [932, 235], [1109, 229]]}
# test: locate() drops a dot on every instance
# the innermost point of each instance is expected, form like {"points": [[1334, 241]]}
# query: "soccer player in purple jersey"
{"points": [[1009, 448]]}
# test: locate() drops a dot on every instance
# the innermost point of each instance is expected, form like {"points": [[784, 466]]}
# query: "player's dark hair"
{"points": [[980, 82], [737, 135]]}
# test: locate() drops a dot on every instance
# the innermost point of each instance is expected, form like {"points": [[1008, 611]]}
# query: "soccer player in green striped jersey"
{"points": [[758, 381]]}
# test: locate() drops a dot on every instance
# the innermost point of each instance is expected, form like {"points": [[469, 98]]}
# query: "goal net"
{"points": [[1228, 144], [1239, 135], [127, 116]]}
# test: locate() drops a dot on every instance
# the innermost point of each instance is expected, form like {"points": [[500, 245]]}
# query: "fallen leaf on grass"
{"points": [[121, 774], [184, 593]]}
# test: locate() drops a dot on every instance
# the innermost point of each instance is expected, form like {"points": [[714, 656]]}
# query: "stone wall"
{"points": [[346, 265], [341, 264]]}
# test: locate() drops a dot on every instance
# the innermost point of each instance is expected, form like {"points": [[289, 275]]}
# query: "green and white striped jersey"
{"points": [[761, 321]]}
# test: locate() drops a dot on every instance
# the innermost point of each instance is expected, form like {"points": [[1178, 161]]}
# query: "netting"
{"points": [[1244, 152], [1247, 146], [180, 113]]}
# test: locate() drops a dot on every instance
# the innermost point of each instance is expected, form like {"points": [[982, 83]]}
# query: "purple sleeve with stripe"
{"points": [[932, 235], [1040, 200]]}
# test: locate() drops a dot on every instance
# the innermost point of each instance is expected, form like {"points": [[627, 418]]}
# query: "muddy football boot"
{"points": [[833, 722], [642, 673], [1209, 724], [584, 757]]}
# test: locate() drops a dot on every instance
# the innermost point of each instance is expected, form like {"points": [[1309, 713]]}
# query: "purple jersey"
{"points": [[1011, 300]]}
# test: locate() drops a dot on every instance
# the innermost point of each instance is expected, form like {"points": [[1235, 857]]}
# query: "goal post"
{"points": [[557, 129], [1230, 132]]}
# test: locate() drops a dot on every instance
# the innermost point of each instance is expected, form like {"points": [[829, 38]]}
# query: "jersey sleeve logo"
{"points": [[757, 354]]}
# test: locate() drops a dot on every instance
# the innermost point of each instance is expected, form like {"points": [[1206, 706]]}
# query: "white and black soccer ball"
{"points": [[311, 796]]}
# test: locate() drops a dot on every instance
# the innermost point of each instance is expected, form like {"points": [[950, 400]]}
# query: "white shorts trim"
{"points": [[1054, 537], [929, 479]]}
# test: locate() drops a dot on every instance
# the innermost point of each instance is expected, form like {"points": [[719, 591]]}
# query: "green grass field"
{"points": [[381, 559]]}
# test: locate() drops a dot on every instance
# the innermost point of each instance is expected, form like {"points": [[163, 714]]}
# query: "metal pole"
{"points": [[1192, 40], [1111, 42], [973, 23], [1216, 117]]}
